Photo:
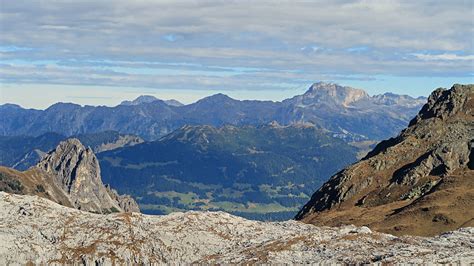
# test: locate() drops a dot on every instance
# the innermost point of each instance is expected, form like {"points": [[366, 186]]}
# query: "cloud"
{"points": [[445, 56], [231, 44]]}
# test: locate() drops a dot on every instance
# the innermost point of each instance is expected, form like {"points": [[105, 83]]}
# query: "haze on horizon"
{"points": [[103, 52]]}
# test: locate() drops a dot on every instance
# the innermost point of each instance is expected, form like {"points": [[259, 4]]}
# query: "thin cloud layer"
{"points": [[252, 45]]}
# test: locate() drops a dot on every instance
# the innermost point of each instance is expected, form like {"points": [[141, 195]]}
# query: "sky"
{"points": [[103, 52]]}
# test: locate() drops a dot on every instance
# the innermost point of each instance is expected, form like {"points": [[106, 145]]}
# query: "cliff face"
{"points": [[72, 171], [421, 182]]}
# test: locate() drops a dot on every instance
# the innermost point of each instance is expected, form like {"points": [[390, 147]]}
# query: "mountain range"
{"points": [[417, 186], [346, 112], [419, 183]]}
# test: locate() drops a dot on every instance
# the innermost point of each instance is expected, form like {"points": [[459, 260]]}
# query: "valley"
{"points": [[260, 172]]}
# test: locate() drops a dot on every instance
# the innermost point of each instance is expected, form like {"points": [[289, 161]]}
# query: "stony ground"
{"points": [[34, 229]]}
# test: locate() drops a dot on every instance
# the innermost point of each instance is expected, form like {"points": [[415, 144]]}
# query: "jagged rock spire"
{"points": [[76, 170]]}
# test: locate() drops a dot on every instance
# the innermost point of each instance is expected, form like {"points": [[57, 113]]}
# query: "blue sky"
{"points": [[103, 52]]}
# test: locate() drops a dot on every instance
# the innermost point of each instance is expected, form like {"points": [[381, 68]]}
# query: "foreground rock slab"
{"points": [[36, 230]]}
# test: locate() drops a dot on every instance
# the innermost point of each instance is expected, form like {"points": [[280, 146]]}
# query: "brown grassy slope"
{"points": [[420, 183], [32, 182], [447, 208]]}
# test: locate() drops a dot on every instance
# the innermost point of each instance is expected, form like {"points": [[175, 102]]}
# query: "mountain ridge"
{"points": [[152, 120], [386, 190]]}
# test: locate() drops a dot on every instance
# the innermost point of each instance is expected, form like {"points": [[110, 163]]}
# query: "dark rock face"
{"points": [[428, 159], [348, 113], [75, 169]]}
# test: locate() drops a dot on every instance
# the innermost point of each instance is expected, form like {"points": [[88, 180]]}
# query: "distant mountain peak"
{"points": [[63, 106], [10, 105], [390, 98], [149, 99], [217, 98], [140, 99], [173, 102], [343, 95]]}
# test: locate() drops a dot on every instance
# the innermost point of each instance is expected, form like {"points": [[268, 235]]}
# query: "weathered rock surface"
{"points": [[36, 230], [70, 175], [407, 183], [125, 202]]}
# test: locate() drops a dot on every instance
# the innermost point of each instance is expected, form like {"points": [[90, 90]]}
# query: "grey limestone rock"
{"points": [[76, 170], [38, 231]]}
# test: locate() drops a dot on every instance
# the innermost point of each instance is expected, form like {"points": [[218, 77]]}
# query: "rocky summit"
{"points": [[39, 231], [420, 182], [69, 175]]}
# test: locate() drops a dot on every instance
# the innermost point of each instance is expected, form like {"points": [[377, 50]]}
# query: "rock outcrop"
{"points": [[421, 182], [70, 175], [37, 231], [125, 202]]}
